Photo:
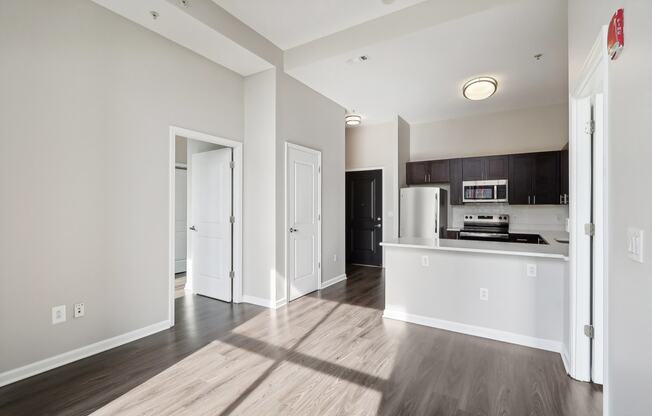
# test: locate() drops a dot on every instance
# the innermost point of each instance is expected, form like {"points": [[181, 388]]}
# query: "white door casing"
{"points": [[180, 224], [211, 210], [303, 189]]}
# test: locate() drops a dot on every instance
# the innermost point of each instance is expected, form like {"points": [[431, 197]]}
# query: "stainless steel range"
{"points": [[485, 227]]}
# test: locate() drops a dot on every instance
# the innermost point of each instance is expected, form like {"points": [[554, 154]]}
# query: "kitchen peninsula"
{"points": [[512, 292]]}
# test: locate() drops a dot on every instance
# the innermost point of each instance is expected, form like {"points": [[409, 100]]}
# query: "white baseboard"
{"points": [[478, 331], [565, 359], [281, 302], [267, 303], [332, 281], [42, 366]]}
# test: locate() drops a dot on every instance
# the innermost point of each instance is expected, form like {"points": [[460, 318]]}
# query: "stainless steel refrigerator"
{"points": [[423, 212]]}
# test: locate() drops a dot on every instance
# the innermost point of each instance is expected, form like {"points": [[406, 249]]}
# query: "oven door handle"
{"points": [[486, 235]]}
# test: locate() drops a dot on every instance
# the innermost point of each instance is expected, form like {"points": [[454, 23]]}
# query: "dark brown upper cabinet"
{"points": [[438, 171], [433, 171], [416, 173], [534, 178], [485, 168], [496, 167], [456, 191], [564, 176]]}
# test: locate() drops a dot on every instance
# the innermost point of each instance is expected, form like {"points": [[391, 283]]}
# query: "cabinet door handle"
{"points": [[535, 200], [528, 199], [561, 200]]}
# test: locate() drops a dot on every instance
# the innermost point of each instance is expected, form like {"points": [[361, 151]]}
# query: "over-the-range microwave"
{"points": [[485, 191]]}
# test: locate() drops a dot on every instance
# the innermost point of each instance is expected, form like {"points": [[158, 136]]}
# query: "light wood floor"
{"points": [[332, 353], [180, 285]]}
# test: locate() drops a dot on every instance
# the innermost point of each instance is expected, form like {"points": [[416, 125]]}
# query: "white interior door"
{"points": [[211, 228], [303, 210], [180, 220]]}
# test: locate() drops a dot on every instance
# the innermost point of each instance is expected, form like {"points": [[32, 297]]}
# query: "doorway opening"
{"points": [[205, 217], [364, 222]]}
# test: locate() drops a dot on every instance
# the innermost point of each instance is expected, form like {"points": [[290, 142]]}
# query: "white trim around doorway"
{"points": [[593, 81], [237, 209]]}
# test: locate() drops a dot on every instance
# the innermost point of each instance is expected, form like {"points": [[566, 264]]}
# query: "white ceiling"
{"points": [[289, 23], [419, 75], [175, 24]]}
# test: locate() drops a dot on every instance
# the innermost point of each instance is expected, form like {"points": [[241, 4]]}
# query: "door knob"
{"points": [[293, 230], [378, 225], [192, 228]]}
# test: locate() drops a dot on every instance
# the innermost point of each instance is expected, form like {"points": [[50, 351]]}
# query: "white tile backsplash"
{"points": [[521, 217]]}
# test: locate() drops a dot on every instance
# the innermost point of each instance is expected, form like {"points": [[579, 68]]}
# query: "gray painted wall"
{"points": [[307, 118], [87, 100], [630, 105]]}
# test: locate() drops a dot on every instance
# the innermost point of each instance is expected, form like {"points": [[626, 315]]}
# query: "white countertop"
{"points": [[553, 249]]}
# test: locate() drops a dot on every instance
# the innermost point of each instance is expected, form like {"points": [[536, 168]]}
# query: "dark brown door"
{"points": [[546, 178], [521, 172], [496, 167], [416, 173], [472, 169], [364, 205], [438, 171], [456, 181]]}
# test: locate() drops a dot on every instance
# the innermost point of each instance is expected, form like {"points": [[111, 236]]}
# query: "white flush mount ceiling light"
{"points": [[352, 119], [480, 88]]}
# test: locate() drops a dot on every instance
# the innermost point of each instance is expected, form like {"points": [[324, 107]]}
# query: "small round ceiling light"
{"points": [[480, 88], [352, 119]]}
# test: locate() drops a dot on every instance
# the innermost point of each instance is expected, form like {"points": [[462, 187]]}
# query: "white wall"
{"points": [[375, 146], [259, 227], [86, 104], [518, 131], [449, 290], [307, 118], [630, 105]]}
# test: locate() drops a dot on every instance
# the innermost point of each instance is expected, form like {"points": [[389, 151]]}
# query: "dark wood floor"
{"points": [[429, 371]]}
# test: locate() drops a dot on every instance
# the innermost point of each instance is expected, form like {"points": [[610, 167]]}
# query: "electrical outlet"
{"points": [[334, 258], [80, 310], [531, 270], [484, 293], [58, 314], [635, 244], [425, 261]]}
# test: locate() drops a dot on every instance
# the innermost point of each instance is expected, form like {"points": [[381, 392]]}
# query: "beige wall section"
{"points": [[375, 146], [180, 149], [259, 227], [630, 105], [87, 101], [309, 119], [518, 131]]}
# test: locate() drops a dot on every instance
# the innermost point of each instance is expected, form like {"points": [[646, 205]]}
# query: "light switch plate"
{"points": [[635, 244], [425, 261], [484, 293], [58, 314], [531, 270]]}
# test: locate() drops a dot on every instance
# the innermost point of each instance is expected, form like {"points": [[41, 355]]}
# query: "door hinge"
{"points": [[319, 169], [232, 164], [232, 274], [319, 265], [590, 127], [589, 331], [232, 219], [318, 217], [589, 229]]}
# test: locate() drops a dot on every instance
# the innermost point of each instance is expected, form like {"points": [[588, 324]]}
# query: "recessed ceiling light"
{"points": [[352, 119], [538, 56], [184, 3], [154, 14], [388, 1], [480, 88]]}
